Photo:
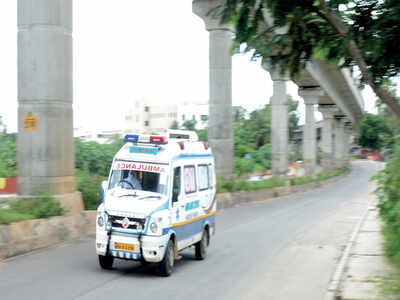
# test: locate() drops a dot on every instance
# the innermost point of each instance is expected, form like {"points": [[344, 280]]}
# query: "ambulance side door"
{"points": [[192, 202], [204, 185], [178, 204]]}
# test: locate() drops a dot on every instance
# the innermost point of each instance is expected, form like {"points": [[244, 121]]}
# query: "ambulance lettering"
{"points": [[139, 167]]}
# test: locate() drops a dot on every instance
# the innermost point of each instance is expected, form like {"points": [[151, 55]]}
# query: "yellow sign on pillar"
{"points": [[308, 160], [3, 183], [31, 122]]}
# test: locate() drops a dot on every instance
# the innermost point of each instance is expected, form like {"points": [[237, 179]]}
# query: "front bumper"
{"points": [[151, 248]]}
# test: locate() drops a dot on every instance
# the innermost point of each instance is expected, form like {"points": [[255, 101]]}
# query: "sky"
{"points": [[125, 50]]}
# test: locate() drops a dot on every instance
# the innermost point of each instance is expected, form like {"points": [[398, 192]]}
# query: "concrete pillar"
{"points": [[279, 122], [310, 96], [348, 130], [328, 112], [45, 131], [220, 131], [339, 142]]}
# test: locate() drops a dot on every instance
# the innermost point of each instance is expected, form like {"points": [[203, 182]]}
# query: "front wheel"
{"points": [[167, 264], [202, 245], [106, 262]]}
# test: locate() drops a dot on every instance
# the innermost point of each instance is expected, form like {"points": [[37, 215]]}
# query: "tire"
{"points": [[106, 262], [202, 245], [143, 262], [167, 264]]}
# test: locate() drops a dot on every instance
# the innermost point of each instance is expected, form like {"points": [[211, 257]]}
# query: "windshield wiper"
{"points": [[145, 197], [130, 195]]}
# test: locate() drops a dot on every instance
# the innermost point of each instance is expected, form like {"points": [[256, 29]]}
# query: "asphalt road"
{"points": [[285, 248]]}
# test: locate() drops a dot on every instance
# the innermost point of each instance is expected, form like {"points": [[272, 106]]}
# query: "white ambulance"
{"points": [[159, 199]]}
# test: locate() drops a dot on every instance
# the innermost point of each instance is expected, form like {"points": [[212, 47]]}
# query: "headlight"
{"points": [[100, 221], [154, 227]]}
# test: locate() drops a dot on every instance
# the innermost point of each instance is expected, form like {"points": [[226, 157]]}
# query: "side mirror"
{"points": [[103, 188]]}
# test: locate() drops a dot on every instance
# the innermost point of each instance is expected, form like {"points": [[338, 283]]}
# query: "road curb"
{"points": [[334, 284], [333, 288]]}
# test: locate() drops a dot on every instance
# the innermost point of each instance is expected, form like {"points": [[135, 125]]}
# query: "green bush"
{"points": [[89, 185], [263, 156], [259, 168], [46, 207], [8, 156], [43, 205], [301, 180], [388, 192], [95, 157], [243, 165], [241, 185], [224, 185]]}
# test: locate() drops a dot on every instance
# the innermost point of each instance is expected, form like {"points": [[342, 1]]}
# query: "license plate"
{"points": [[126, 247]]}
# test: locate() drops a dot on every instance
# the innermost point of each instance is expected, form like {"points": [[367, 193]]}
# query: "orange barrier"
{"points": [[8, 186]]}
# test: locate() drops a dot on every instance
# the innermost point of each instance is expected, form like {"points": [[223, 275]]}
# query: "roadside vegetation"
{"points": [[236, 185], [388, 192], [92, 165], [43, 205], [8, 153]]}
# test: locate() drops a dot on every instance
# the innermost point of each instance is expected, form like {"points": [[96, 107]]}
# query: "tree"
{"points": [[174, 125], [189, 125], [3, 127], [362, 33], [388, 115], [293, 116], [238, 113], [202, 134], [374, 133], [252, 135], [8, 152]]}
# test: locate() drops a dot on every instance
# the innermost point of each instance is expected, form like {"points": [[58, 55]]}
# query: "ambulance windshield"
{"points": [[139, 180]]}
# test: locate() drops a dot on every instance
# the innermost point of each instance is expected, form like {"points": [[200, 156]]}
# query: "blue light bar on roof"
{"points": [[133, 138]]}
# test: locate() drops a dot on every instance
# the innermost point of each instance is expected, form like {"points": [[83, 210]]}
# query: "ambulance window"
{"points": [[211, 172], [204, 179], [176, 188], [189, 175]]}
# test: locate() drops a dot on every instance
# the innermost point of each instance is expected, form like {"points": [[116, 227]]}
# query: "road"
{"points": [[284, 248]]}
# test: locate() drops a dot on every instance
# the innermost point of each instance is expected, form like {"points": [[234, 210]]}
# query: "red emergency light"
{"points": [[157, 139], [181, 145]]}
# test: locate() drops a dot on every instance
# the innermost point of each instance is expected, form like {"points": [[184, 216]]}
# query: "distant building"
{"points": [[100, 136], [150, 117], [194, 112]]}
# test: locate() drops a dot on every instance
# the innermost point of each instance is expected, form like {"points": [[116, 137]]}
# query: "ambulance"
{"points": [[159, 199]]}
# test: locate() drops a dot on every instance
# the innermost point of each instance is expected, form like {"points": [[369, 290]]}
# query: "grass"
{"points": [[301, 180], [41, 206], [226, 185], [318, 177], [390, 287], [9, 216]]}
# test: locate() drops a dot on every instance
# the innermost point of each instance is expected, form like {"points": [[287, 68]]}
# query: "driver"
{"points": [[134, 180]]}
